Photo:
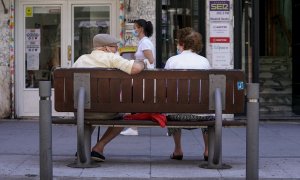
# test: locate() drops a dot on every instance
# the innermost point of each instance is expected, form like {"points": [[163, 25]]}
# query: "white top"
{"points": [[187, 60], [104, 59], [144, 44]]}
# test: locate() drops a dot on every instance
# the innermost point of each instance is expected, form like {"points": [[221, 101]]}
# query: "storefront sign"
{"points": [[219, 10]]}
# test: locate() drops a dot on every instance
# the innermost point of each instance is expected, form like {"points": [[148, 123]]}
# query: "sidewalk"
{"points": [[147, 156]]}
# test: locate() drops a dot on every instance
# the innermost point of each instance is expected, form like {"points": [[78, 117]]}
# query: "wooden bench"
{"points": [[103, 90]]}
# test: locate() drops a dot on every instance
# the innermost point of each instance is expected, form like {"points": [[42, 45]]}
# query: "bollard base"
{"points": [[82, 165], [223, 166]]}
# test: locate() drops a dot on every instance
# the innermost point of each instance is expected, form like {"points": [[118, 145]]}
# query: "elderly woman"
{"points": [[189, 43]]}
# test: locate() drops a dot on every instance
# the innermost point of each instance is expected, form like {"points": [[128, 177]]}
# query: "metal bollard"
{"points": [[45, 125], [252, 142], [217, 159]]}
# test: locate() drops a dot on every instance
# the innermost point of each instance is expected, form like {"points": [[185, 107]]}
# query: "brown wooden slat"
{"points": [[225, 123], [194, 91], [69, 94], [149, 91], [137, 90], [142, 107], [172, 91], [151, 74], [205, 92], [126, 86], [183, 95], [115, 90], [103, 91], [160, 91], [229, 95], [59, 90], [94, 91]]}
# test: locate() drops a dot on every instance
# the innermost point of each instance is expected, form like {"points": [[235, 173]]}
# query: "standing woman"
{"points": [[143, 30]]}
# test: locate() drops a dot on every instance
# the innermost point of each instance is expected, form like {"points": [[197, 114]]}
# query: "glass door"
{"points": [[42, 43], [53, 34], [177, 14]]}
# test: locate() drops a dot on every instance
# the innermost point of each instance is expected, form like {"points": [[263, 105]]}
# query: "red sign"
{"points": [[219, 40]]}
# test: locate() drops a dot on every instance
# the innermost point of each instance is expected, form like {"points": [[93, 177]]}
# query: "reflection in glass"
{"points": [[89, 21], [177, 14], [42, 43]]}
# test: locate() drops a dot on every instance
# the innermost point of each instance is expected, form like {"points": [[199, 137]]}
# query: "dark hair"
{"points": [[146, 25], [190, 39]]}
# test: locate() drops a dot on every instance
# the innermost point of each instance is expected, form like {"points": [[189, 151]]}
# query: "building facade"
{"points": [[37, 36]]}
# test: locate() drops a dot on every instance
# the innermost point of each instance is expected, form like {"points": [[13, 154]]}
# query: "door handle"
{"points": [[69, 52]]}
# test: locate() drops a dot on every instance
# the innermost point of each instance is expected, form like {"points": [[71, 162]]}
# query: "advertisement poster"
{"points": [[33, 40], [221, 55], [32, 61], [219, 30], [220, 45]]}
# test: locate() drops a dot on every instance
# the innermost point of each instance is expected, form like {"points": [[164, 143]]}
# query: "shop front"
{"points": [[50, 34]]}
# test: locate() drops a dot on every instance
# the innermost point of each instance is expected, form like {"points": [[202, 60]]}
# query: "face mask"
{"points": [[178, 51], [135, 33]]}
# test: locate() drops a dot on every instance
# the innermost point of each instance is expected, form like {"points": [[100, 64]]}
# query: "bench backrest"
{"points": [[172, 91]]}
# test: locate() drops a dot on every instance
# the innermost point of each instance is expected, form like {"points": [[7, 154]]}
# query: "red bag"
{"points": [[157, 117]]}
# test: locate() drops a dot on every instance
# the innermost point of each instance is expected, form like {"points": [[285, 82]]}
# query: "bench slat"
{"points": [[171, 91], [160, 91], [137, 90], [204, 99], [149, 123], [126, 92], [149, 91], [115, 90], [183, 91], [103, 91], [94, 91], [194, 91]]}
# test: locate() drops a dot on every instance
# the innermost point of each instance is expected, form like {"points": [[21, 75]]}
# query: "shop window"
{"points": [[173, 15]]}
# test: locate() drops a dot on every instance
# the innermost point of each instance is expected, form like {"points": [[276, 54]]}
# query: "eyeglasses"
{"points": [[116, 47]]}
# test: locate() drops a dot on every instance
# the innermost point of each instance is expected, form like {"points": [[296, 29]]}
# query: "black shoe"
{"points": [[176, 157], [205, 158], [97, 156]]}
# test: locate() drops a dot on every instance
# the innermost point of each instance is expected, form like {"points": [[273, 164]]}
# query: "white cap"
{"points": [[101, 40]]}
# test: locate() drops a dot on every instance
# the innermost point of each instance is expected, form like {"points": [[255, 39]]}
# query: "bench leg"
{"points": [[88, 129], [211, 150], [215, 137], [83, 136]]}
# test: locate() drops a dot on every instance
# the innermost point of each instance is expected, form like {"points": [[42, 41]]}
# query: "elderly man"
{"points": [[104, 55]]}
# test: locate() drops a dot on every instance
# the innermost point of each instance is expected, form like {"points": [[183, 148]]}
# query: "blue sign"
{"points": [[240, 85]]}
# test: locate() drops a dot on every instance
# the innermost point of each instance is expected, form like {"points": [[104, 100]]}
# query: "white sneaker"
{"points": [[130, 132]]}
